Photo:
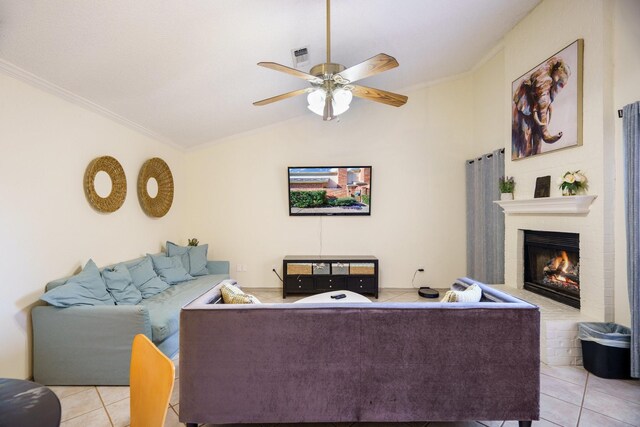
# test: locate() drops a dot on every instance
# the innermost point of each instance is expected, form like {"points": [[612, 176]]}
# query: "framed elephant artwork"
{"points": [[546, 105]]}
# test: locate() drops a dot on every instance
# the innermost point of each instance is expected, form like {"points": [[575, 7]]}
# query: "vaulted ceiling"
{"points": [[185, 70]]}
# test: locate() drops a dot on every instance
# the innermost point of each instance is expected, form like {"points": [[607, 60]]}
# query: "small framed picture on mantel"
{"points": [[543, 187]]}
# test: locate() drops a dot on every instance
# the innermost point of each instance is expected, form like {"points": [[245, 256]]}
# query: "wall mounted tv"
{"points": [[330, 190]]}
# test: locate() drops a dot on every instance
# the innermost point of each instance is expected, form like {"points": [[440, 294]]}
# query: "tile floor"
{"points": [[570, 396]]}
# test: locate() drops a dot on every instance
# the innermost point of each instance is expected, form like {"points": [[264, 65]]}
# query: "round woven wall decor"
{"points": [[115, 199], [155, 206]]}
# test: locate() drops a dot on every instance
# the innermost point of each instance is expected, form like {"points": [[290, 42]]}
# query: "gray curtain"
{"points": [[485, 219], [631, 134]]}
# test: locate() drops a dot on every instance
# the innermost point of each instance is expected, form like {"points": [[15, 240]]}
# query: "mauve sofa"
{"points": [[375, 362], [91, 345]]}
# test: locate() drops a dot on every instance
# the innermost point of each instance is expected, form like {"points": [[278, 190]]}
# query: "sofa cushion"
{"points": [[85, 288], [194, 258], [164, 308], [472, 294], [120, 285], [145, 278], [170, 269]]}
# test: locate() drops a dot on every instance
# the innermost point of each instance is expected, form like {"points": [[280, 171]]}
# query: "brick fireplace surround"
{"points": [[559, 342]]}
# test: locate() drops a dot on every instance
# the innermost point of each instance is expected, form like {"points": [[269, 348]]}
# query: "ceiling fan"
{"points": [[332, 87]]}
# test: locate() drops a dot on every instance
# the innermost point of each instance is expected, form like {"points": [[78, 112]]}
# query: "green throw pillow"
{"points": [[170, 269], [146, 279], [194, 258], [234, 295], [85, 288], [120, 285]]}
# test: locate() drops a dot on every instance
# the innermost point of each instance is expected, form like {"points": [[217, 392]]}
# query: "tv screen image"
{"points": [[330, 190]]}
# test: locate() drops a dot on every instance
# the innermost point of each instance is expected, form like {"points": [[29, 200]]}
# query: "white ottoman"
{"points": [[326, 297]]}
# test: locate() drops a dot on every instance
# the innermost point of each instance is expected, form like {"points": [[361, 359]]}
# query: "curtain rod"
{"points": [[489, 155]]}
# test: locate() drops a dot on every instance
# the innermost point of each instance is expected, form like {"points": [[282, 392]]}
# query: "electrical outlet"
{"points": [[244, 267], [238, 267], [273, 267]]}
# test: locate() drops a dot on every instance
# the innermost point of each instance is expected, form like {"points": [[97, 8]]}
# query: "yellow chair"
{"points": [[151, 378]]}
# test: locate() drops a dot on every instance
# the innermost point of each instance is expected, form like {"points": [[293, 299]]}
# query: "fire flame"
{"points": [[561, 262], [558, 265]]}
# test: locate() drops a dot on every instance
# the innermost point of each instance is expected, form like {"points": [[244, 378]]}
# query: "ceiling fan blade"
{"points": [[283, 96], [291, 71], [377, 64], [379, 95]]}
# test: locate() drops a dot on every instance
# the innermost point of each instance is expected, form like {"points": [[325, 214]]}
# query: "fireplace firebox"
{"points": [[552, 265]]}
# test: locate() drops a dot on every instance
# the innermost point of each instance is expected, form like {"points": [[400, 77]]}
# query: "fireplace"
{"points": [[552, 265]]}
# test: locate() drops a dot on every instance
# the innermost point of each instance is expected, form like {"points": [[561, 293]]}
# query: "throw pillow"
{"points": [[233, 295], [472, 294], [120, 285], [170, 269], [194, 258], [85, 288], [146, 279]]}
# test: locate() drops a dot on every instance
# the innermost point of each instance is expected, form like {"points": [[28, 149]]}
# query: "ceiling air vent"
{"points": [[300, 57]]}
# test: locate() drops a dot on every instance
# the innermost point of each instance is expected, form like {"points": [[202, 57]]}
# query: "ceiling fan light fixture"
{"points": [[316, 101], [341, 101]]}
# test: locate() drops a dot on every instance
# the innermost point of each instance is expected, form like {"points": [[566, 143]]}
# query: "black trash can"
{"points": [[606, 349]]}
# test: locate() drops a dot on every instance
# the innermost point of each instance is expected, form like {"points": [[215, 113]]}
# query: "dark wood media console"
{"points": [[316, 274]]}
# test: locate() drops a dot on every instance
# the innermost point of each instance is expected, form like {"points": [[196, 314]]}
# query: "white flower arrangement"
{"points": [[572, 182]]}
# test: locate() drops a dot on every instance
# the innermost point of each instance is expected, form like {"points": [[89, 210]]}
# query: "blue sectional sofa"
{"points": [[91, 345]]}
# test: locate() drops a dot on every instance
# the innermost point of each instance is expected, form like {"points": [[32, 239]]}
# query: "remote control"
{"points": [[339, 296]]}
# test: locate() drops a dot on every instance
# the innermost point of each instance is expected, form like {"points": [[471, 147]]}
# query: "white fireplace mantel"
{"points": [[548, 205]]}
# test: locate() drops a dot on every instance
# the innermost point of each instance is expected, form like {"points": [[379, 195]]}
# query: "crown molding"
{"points": [[489, 55], [16, 72]]}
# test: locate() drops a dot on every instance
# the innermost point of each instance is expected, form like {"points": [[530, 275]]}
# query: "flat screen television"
{"points": [[329, 190]]}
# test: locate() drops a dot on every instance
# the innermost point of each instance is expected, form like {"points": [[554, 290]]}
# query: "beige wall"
{"points": [[238, 200], [626, 52], [46, 225], [489, 112]]}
